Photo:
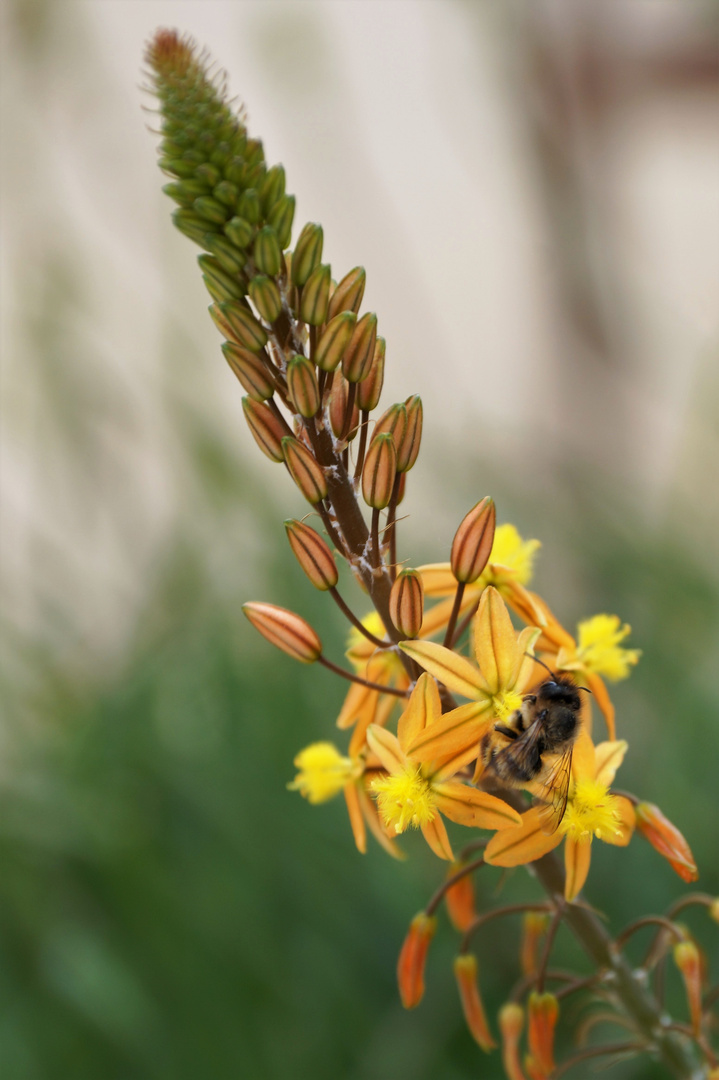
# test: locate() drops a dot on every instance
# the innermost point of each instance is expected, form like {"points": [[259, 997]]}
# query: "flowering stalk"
{"points": [[313, 367]]}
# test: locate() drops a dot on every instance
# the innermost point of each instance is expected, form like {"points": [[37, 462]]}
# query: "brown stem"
{"points": [[548, 943], [390, 532], [356, 622], [436, 898], [358, 679], [510, 909], [648, 920], [364, 428], [455, 612], [464, 624], [598, 1051], [687, 901], [376, 551], [349, 409]]}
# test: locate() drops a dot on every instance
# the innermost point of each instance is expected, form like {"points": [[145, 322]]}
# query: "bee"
{"points": [[546, 725]]}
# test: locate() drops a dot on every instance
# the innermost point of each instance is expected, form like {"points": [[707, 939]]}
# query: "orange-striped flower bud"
{"points": [[302, 386], [465, 970], [406, 603], [244, 328], [313, 554], [266, 428], [380, 469], [227, 255], [316, 296], [412, 957], [348, 294], [459, 899], [534, 927], [286, 630], [667, 840], [409, 449], [369, 390], [280, 217], [511, 1024], [338, 408], [688, 960], [266, 297], [357, 360], [304, 470], [307, 254], [334, 339], [250, 371], [473, 541], [394, 421], [543, 1015]]}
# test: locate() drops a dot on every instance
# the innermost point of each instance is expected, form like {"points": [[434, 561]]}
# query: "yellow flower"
{"points": [[494, 687], [591, 811], [415, 793], [599, 647], [323, 772]]}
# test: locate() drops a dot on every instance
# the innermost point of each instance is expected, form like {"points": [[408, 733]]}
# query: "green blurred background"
{"points": [[534, 190]]}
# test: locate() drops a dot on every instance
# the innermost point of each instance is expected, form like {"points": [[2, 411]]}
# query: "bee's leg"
{"points": [[486, 749], [508, 731]]}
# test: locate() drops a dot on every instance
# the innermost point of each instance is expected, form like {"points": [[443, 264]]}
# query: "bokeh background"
{"points": [[534, 191]]}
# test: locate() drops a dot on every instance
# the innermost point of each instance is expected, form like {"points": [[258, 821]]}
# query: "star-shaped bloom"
{"points": [[494, 687], [415, 793], [591, 811]]}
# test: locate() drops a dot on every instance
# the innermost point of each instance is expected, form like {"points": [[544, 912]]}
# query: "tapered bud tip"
{"points": [[304, 470], [511, 1020], [689, 961], [667, 840], [412, 957], [313, 554], [465, 971], [473, 541], [380, 470], [406, 603], [286, 630]]}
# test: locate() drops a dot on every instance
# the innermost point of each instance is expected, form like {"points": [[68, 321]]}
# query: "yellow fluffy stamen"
{"points": [[404, 800], [599, 647], [506, 703], [323, 772], [591, 811]]}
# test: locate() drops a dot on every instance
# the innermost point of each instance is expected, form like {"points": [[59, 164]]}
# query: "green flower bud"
{"points": [[358, 358], [266, 297], [209, 174], [188, 222], [268, 257], [227, 255], [248, 206], [316, 296], [272, 188], [185, 192], [228, 285], [240, 232], [178, 167], [307, 254], [348, 294], [211, 210], [281, 217], [243, 327], [302, 386], [334, 340], [226, 193]]}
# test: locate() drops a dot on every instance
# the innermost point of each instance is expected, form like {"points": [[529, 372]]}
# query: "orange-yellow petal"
{"points": [[601, 695], [584, 757], [355, 815], [608, 758], [625, 823], [514, 847], [467, 806], [577, 857], [423, 708], [435, 834], [454, 733], [456, 672], [386, 746], [495, 641]]}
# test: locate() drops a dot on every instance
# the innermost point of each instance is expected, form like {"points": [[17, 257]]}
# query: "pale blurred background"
{"points": [[533, 189]]}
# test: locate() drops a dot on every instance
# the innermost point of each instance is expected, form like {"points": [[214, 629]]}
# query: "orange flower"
{"points": [[414, 793], [591, 811], [495, 686]]}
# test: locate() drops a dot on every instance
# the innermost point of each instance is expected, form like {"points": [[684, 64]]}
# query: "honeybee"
{"points": [[546, 725]]}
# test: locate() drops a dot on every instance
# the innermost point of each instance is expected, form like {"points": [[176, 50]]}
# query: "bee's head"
{"points": [[559, 692]]}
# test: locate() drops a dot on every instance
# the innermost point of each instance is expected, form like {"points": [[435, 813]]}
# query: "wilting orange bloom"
{"points": [[414, 793], [465, 970], [667, 840], [494, 686], [688, 960], [591, 811], [459, 899], [543, 1014], [412, 959]]}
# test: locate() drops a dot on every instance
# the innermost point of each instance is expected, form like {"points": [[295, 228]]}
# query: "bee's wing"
{"points": [[523, 751], [555, 793]]}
